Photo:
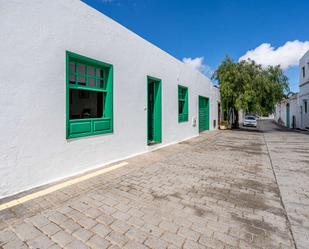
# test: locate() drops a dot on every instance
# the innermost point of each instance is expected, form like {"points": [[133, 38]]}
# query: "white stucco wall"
{"points": [[304, 62], [304, 89], [214, 107], [33, 145], [304, 96], [280, 111]]}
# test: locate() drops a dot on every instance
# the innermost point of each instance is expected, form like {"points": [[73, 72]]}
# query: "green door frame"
{"points": [[157, 111], [288, 115], [200, 99]]}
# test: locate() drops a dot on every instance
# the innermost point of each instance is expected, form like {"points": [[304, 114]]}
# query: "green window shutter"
{"points": [[203, 104], [89, 96], [183, 100]]}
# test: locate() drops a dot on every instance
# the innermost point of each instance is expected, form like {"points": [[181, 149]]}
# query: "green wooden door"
{"points": [[154, 106], [288, 115], [203, 117]]}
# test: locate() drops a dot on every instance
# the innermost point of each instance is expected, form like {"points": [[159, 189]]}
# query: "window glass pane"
{"points": [[72, 67], [72, 78], [81, 69], [182, 92], [91, 71], [85, 104], [180, 107], [100, 83], [99, 73], [91, 81], [81, 80]]}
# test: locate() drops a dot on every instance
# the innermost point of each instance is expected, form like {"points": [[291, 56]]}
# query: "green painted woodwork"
{"points": [[154, 110], [96, 76], [101, 125], [203, 117], [183, 106], [80, 127], [288, 115]]}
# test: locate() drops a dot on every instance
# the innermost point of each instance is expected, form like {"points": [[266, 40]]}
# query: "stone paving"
{"points": [[290, 158], [214, 191]]}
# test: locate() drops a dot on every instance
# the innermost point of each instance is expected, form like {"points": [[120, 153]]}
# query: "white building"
{"points": [[78, 91], [287, 112], [304, 90]]}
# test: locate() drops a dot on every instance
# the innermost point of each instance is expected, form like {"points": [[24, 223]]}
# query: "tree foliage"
{"points": [[250, 87]]}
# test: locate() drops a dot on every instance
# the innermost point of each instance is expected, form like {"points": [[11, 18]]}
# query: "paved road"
{"points": [[225, 189]]}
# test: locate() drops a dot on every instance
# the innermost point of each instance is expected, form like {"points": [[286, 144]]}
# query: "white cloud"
{"points": [[286, 56], [198, 64]]}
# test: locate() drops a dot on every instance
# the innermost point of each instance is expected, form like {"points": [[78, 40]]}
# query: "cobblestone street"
{"points": [[218, 190]]}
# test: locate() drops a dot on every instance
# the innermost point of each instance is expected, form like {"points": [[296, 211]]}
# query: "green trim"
{"points": [[90, 126], [203, 113], [87, 60], [156, 121], [67, 59], [153, 78], [287, 115], [183, 99], [72, 86]]}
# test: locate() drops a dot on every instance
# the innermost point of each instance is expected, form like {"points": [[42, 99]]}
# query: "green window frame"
{"points": [[88, 80], [183, 106]]}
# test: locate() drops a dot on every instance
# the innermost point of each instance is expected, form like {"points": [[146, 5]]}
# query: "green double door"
{"points": [[203, 113], [154, 133]]}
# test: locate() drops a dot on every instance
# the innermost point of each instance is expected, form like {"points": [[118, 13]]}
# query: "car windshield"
{"points": [[250, 118]]}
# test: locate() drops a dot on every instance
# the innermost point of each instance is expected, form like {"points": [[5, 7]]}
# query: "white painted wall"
{"points": [[34, 38], [304, 62], [295, 110], [304, 89], [280, 112], [214, 107], [304, 96]]}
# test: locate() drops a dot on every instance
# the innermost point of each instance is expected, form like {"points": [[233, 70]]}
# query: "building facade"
{"points": [[304, 90], [79, 91], [287, 112]]}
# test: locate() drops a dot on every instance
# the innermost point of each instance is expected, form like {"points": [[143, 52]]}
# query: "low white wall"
{"points": [[34, 38]]}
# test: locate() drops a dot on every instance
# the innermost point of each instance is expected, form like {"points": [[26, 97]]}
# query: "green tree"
{"points": [[249, 87]]}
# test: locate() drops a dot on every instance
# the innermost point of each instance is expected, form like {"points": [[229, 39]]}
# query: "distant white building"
{"points": [[304, 90], [293, 112], [287, 112]]}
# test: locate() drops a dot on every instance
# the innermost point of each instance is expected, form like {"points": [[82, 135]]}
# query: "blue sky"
{"points": [[212, 29]]}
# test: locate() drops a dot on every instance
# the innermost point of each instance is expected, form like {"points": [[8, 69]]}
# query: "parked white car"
{"points": [[250, 121]]}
